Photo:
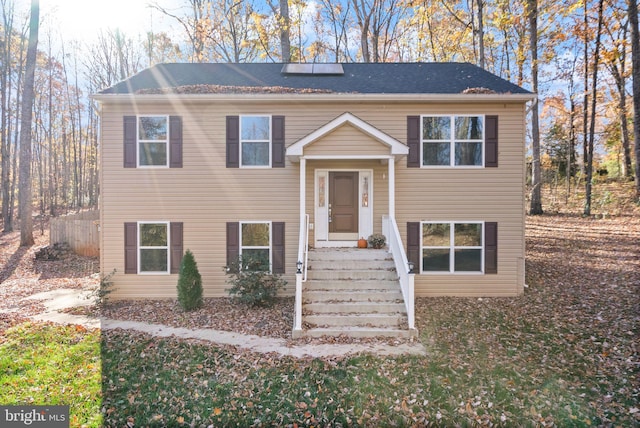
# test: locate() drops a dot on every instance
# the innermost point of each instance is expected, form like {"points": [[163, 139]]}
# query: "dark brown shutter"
{"points": [[491, 141], [233, 242], [413, 141], [277, 141], [413, 244], [131, 248], [130, 141], [277, 250], [177, 247], [233, 142], [490, 247], [175, 142]]}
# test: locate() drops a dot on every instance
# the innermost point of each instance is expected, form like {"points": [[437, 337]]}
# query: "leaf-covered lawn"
{"points": [[45, 364], [563, 354]]}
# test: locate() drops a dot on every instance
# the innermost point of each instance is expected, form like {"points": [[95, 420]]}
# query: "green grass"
{"points": [[172, 383], [43, 364]]}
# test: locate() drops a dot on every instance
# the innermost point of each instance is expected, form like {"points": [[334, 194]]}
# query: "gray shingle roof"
{"points": [[363, 78]]}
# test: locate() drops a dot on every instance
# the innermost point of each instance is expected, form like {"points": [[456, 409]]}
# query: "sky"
{"points": [[83, 20]]}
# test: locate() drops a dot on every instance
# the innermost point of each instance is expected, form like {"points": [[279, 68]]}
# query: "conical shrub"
{"points": [[189, 283]]}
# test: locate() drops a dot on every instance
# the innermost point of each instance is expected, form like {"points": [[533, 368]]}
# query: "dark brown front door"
{"points": [[343, 205]]}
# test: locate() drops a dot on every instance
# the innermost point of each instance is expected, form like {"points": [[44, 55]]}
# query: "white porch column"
{"points": [[392, 188], [297, 323], [303, 187]]}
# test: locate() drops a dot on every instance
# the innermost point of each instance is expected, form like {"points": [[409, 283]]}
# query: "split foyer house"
{"points": [[295, 162]]}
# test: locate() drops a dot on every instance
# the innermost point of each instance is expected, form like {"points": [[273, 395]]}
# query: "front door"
{"points": [[343, 205]]}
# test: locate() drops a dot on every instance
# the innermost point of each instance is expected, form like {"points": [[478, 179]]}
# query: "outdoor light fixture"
{"points": [[410, 264], [299, 266]]}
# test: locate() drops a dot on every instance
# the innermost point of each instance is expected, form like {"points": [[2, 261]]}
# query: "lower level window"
{"points": [[452, 247], [255, 245], [153, 246]]}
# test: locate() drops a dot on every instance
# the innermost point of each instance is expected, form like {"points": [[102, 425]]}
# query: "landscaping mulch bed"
{"points": [[216, 313]]}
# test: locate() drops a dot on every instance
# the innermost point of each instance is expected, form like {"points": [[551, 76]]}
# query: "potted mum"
{"points": [[376, 240]]}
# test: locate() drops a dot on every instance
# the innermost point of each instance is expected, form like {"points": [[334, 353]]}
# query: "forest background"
{"points": [[580, 57]]}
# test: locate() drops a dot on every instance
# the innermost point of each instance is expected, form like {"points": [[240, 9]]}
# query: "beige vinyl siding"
{"points": [[487, 194], [346, 141], [205, 195]]}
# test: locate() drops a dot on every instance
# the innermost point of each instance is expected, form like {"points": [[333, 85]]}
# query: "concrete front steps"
{"points": [[352, 292]]}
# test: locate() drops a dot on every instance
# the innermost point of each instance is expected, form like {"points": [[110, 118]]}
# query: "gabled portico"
{"points": [[342, 156], [347, 142]]}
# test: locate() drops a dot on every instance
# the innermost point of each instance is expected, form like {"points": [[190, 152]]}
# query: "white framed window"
{"points": [[255, 244], [153, 247], [255, 141], [153, 141], [452, 141], [452, 247]]}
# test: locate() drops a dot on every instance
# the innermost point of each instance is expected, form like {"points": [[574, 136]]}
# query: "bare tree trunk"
{"points": [[536, 191], [363, 16], [624, 130], [5, 97], [26, 222], [635, 61], [480, 30], [585, 98], [285, 23], [592, 125]]}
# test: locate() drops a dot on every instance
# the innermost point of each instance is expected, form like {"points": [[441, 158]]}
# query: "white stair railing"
{"points": [[301, 271], [390, 230]]}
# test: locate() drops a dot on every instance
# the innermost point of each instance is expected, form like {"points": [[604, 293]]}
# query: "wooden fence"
{"points": [[79, 231]]}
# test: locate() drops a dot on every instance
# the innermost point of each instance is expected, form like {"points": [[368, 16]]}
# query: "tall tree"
{"points": [[285, 25], [614, 56], [6, 61], [479, 31], [337, 15], [592, 123], [197, 25], [377, 22], [25, 202], [229, 37], [536, 191], [635, 64]]}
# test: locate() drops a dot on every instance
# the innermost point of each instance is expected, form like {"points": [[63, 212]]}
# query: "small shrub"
{"points": [[100, 296], [376, 240], [252, 283], [189, 283]]}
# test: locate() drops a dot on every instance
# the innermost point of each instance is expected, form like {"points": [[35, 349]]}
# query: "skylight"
{"points": [[317, 69]]}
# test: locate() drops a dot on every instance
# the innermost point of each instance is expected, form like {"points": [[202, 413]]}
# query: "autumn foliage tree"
{"points": [[546, 46]]}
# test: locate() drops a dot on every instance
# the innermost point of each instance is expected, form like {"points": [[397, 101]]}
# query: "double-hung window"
{"points": [[255, 244], [153, 247], [153, 141], [452, 247], [453, 141], [255, 141]]}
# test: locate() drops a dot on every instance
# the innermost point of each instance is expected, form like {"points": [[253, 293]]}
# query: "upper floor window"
{"points": [[452, 141], [153, 141], [255, 140]]}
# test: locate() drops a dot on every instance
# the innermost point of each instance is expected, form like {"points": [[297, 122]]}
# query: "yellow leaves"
{"points": [[217, 411]]}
